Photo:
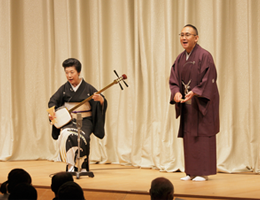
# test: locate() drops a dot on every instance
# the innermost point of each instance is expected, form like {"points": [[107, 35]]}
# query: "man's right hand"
{"points": [[177, 97]]}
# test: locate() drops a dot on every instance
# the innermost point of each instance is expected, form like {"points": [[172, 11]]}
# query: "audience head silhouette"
{"points": [[23, 191], [70, 190], [15, 177], [58, 180], [161, 188]]}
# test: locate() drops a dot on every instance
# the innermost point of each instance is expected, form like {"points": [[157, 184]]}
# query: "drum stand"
{"points": [[79, 173]]}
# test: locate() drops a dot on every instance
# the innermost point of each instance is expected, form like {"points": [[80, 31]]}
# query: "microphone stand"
{"points": [[79, 173]]}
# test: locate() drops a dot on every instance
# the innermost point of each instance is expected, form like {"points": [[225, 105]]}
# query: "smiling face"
{"points": [[188, 38], [72, 75]]}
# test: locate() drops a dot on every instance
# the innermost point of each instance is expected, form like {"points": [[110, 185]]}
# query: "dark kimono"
{"points": [[91, 124], [199, 121]]}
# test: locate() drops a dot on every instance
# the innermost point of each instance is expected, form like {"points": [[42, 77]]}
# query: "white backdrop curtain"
{"points": [[138, 38]]}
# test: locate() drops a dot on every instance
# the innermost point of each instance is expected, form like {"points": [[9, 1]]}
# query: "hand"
{"points": [[177, 97], [52, 117], [188, 96], [98, 97]]}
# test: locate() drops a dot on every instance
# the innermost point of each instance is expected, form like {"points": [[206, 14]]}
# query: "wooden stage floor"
{"points": [[126, 182]]}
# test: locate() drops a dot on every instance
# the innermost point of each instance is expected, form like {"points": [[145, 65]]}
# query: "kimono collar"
{"points": [[76, 87], [188, 54]]}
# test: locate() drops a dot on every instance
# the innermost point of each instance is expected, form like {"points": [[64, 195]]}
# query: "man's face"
{"points": [[72, 75], [188, 38]]}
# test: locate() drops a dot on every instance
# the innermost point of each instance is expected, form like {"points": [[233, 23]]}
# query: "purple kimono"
{"points": [[199, 121]]}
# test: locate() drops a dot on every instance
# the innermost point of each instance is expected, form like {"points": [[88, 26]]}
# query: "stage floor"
{"points": [[118, 179]]}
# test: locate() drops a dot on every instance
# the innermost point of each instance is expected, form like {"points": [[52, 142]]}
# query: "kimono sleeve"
{"points": [[98, 114], [57, 98], [206, 88], [174, 82], [57, 101]]}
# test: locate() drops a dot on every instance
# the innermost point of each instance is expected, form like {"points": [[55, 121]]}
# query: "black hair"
{"points": [[15, 177], [161, 188], [70, 190], [196, 30], [59, 179], [72, 62], [23, 191]]}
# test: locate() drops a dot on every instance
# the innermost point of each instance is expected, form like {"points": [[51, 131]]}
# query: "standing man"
{"points": [[195, 95], [74, 91]]}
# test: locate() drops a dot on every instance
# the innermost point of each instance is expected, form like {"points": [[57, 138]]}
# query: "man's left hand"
{"points": [[188, 96]]}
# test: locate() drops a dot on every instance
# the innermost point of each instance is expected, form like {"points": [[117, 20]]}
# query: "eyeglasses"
{"points": [[186, 34]]}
